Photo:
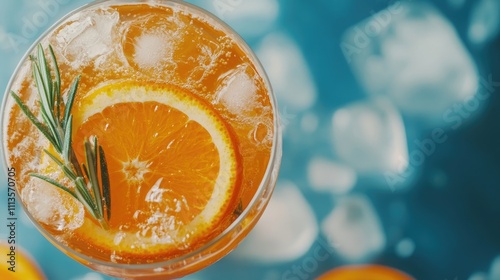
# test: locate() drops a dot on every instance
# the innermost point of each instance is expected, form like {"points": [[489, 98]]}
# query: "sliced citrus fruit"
{"points": [[18, 265], [364, 272], [173, 165]]}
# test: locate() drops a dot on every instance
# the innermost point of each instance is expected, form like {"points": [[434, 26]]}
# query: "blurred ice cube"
{"points": [[484, 21], [252, 17], [6, 41], [309, 123], [493, 273], [194, 277], [413, 55], [479, 276], [288, 71], [12, 45], [285, 232], [405, 248], [52, 207], [325, 175], [88, 37], [370, 136], [238, 91], [355, 228], [89, 276], [495, 269], [456, 4]]}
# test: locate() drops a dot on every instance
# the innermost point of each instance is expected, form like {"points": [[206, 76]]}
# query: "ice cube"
{"points": [[285, 232], [355, 228], [51, 206], [325, 175], [88, 37], [150, 50], [484, 21], [238, 91], [288, 71], [370, 136], [412, 54]]}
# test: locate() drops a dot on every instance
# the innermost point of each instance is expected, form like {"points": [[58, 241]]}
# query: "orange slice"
{"points": [[20, 267], [173, 164], [364, 272]]}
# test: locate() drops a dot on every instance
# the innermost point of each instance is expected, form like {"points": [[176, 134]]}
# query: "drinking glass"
{"points": [[126, 46]]}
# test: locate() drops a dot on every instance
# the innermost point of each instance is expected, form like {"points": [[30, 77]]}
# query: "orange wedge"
{"points": [[173, 165], [22, 266], [364, 272]]}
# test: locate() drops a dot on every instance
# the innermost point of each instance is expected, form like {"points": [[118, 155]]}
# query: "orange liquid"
{"points": [[150, 45]]}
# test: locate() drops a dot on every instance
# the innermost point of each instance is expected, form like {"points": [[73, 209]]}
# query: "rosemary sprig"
{"points": [[91, 189]]}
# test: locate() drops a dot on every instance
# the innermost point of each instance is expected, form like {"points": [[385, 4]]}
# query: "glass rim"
{"points": [[273, 162]]}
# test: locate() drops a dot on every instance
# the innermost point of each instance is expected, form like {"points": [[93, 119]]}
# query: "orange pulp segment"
{"points": [[173, 165]]}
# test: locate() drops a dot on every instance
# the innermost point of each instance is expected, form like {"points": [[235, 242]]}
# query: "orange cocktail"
{"points": [[170, 147]]}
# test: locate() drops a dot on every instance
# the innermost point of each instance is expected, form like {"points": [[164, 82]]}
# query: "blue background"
{"points": [[454, 227]]}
